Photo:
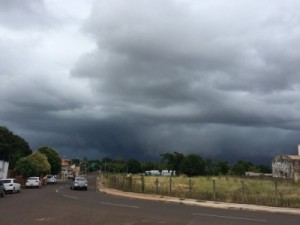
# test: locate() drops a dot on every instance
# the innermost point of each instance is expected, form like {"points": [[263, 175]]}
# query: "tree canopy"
{"points": [[13, 145], [26, 167], [42, 163], [134, 166], [193, 165], [53, 158]]}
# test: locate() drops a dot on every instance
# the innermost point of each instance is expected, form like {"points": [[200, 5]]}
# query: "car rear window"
{"points": [[33, 178], [80, 179], [6, 181]]}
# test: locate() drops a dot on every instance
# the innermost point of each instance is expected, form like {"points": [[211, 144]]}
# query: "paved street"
{"points": [[57, 204]]}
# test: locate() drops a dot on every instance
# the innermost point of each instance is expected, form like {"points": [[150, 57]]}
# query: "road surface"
{"points": [[59, 205]]}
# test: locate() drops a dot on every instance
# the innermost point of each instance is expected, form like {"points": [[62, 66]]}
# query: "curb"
{"points": [[193, 202]]}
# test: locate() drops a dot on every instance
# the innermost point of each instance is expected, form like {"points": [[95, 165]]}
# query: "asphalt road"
{"points": [[59, 205]]}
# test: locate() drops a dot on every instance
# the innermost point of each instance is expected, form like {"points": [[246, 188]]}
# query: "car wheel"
{"points": [[2, 194]]}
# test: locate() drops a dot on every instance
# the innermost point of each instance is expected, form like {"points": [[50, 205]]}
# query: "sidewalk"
{"points": [[193, 202]]}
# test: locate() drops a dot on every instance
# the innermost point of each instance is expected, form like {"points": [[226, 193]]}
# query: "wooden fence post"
{"points": [[170, 187], [243, 191], [214, 189], [276, 193], [190, 187], [143, 183], [156, 186]]}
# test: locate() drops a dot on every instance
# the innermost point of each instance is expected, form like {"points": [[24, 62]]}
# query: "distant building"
{"points": [[253, 174], [4, 163], [287, 166], [168, 173], [65, 165], [153, 172]]}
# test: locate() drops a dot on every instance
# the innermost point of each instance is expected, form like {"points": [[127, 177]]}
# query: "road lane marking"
{"points": [[70, 197], [120, 205], [230, 217]]}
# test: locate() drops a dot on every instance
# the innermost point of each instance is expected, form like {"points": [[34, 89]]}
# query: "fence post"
{"points": [[143, 183], [156, 185], [130, 183], [243, 191], [123, 183], [190, 187], [170, 187], [214, 189], [276, 193]]}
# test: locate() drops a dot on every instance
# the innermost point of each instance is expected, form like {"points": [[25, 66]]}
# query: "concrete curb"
{"points": [[193, 202]]}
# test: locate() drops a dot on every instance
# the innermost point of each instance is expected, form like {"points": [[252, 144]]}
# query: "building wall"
{"points": [[296, 166], [3, 169], [282, 167]]}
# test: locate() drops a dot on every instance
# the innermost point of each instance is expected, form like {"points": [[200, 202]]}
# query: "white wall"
{"points": [[3, 169]]}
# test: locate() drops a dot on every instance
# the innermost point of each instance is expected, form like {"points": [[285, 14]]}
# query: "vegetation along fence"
{"points": [[258, 191]]}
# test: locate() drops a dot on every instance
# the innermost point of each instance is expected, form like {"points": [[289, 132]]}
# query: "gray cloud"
{"points": [[215, 78], [24, 14]]}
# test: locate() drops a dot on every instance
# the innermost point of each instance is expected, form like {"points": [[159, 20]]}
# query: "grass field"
{"points": [[227, 189]]}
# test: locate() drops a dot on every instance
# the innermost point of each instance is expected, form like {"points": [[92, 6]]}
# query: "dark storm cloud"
{"points": [[211, 77], [173, 66]]}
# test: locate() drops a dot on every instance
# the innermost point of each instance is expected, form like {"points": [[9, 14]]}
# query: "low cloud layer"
{"points": [[138, 78]]}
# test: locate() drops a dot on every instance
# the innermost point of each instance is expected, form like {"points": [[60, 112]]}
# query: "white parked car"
{"points": [[11, 185], [33, 182], [51, 179]]}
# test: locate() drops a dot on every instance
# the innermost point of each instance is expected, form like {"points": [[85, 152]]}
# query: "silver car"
{"points": [[79, 183], [51, 179]]}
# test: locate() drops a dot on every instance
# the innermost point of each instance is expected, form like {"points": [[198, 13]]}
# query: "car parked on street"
{"points": [[2, 189], [79, 183], [51, 179], [11, 185], [33, 182]]}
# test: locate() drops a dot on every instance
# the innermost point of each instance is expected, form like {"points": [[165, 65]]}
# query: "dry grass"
{"points": [[227, 189]]}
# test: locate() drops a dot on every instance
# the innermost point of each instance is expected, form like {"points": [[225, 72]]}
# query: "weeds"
{"points": [[227, 189]]}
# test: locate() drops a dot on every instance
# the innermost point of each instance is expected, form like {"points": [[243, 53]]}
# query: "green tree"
{"points": [[13, 145], [133, 166], [42, 163], [26, 167], [221, 168], [193, 165], [263, 169], [151, 166], [53, 159], [241, 167], [173, 161], [94, 165]]}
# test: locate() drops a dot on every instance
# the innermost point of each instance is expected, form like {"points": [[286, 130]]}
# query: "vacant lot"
{"points": [[228, 189]]}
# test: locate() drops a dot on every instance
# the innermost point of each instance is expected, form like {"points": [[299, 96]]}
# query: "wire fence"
{"points": [[270, 192]]}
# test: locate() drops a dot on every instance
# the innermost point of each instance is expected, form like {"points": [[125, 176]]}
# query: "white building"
{"points": [[168, 173], [3, 165], [153, 172]]}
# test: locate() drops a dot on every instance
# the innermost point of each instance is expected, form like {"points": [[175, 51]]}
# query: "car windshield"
{"points": [[33, 178], [80, 179]]}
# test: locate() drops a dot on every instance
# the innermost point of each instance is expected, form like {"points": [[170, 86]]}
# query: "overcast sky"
{"points": [[137, 78]]}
